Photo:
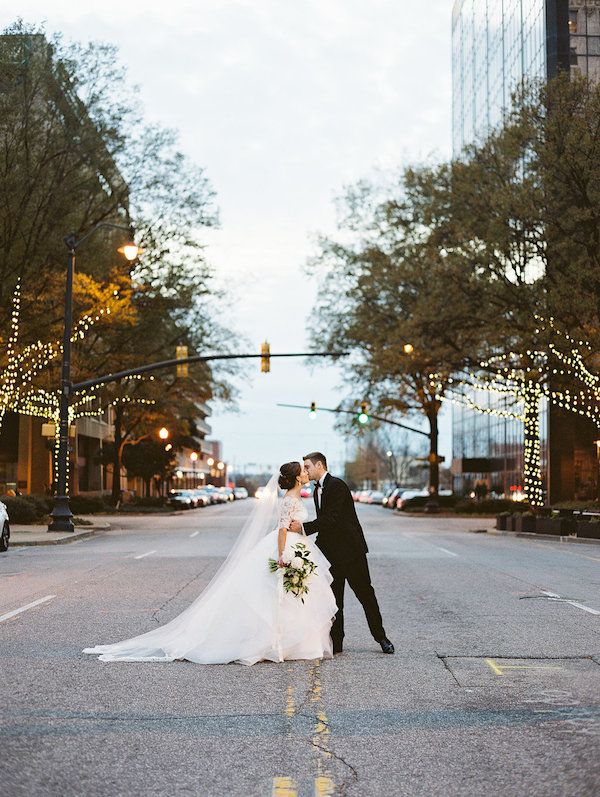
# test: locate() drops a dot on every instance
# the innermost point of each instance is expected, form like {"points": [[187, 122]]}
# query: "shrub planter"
{"points": [[589, 529], [551, 525], [501, 521], [510, 522], [525, 523]]}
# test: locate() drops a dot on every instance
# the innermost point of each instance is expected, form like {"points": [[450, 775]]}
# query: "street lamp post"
{"points": [[194, 457], [62, 517]]}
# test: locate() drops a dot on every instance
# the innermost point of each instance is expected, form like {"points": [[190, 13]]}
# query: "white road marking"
{"points": [[14, 612], [141, 556], [555, 597], [445, 550], [194, 533]]}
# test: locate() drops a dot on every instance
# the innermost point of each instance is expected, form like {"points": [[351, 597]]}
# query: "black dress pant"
{"points": [[356, 573]]}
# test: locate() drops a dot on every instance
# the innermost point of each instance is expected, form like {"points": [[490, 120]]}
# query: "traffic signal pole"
{"points": [[199, 358]]}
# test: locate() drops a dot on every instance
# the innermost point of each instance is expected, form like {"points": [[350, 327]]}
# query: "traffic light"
{"points": [[181, 353], [313, 411], [363, 416], [265, 359]]}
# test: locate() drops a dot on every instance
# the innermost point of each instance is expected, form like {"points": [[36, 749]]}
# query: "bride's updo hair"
{"points": [[288, 474]]}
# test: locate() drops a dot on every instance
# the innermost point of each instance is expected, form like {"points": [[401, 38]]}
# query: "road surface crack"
{"points": [[175, 594]]}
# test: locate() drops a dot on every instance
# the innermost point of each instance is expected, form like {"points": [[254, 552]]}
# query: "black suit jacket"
{"points": [[339, 533]]}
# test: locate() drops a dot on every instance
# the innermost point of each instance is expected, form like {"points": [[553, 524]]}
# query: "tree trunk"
{"points": [[116, 482], [532, 467], [432, 504]]}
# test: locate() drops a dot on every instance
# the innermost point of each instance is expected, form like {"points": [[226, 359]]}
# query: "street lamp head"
{"points": [[179, 474], [130, 249], [220, 465], [408, 348], [163, 433], [193, 456], [210, 462], [388, 454]]}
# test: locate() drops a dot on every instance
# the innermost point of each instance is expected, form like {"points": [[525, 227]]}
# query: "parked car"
{"points": [[240, 492], [201, 497], [375, 497], [390, 501], [259, 492], [5, 528], [182, 499], [228, 493], [363, 496], [407, 494], [216, 497]]}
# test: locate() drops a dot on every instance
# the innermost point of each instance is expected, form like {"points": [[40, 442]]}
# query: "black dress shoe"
{"points": [[386, 645]]}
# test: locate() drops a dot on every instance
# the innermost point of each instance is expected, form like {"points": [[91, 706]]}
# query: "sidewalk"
{"points": [[39, 535]]}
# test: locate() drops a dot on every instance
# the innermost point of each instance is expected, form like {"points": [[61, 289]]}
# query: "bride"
{"points": [[244, 615]]}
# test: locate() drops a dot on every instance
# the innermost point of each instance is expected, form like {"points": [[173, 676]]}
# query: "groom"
{"points": [[341, 539]]}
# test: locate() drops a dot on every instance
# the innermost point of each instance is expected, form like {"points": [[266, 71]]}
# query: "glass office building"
{"points": [[495, 45]]}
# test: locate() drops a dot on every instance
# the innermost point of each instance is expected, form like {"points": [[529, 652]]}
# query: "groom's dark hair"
{"points": [[315, 457]]}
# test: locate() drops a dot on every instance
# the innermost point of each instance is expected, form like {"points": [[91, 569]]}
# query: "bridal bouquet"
{"points": [[296, 571]]}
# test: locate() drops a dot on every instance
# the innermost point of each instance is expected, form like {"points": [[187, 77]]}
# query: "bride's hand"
{"points": [[280, 562]]}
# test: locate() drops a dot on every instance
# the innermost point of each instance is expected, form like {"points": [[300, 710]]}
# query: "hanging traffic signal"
{"points": [[265, 359], [313, 411], [363, 416], [181, 353]]}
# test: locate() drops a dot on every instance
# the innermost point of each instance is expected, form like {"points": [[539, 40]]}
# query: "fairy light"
{"points": [[512, 375], [22, 367]]}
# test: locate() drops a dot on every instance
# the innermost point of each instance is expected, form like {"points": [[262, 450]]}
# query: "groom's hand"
{"points": [[295, 526]]}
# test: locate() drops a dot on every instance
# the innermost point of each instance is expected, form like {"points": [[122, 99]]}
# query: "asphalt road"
{"points": [[494, 688]]}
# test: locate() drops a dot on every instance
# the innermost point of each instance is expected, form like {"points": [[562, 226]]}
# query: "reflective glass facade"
{"points": [[495, 43]]}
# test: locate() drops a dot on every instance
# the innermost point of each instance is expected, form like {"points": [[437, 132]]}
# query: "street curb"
{"points": [[550, 537], [77, 535]]}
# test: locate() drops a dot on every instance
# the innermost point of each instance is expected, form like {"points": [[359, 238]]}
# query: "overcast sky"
{"points": [[283, 102]]}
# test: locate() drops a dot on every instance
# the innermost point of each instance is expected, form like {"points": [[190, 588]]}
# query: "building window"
{"points": [[573, 59], [573, 21]]}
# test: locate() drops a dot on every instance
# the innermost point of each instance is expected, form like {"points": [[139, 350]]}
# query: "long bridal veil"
{"points": [[170, 641]]}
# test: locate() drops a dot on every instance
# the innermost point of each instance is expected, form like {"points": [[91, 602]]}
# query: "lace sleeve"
{"points": [[285, 513]]}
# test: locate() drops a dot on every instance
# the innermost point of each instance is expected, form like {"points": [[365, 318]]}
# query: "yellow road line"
{"points": [[491, 663], [284, 787], [530, 667], [498, 669], [290, 708], [324, 787]]}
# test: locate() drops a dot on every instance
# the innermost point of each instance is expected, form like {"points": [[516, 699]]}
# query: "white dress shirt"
{"points": [[320, 491]]}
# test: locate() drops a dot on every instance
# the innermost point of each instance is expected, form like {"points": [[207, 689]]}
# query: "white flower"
{"points": [[295, 579], [297, 562]]}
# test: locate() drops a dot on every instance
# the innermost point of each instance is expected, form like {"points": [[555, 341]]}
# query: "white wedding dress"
{"points": [[244, 615]]}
